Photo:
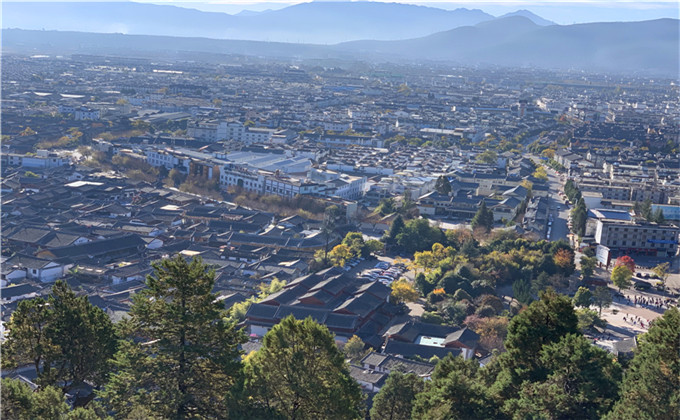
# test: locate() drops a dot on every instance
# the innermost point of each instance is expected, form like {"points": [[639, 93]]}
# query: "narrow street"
{"points": [[559, 210]]}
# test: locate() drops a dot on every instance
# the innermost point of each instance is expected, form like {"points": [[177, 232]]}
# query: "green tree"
{"points": [[354, 348], [588, 319], [455, 392], [488, 156], [340, 254], [544, 322], [582, 382], [355, 242], [443, 186], [621, 277], [28, 340], [328, 228], [17, 400], [579, 217], [396, 228], [180, 358], [583, 297], [602, 298], [66, 339], [396, 397], [20, 402], [521, 290], [386, 206], [419, 235], [299, 373], [84, 334], [658, 217], [483, 218], [49, 403], [662, 271], [374, 246], [644, 209], [651, 385], [588, 265]]}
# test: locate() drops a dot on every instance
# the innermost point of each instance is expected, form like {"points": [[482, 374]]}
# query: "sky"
{"points": [[559, 11]]}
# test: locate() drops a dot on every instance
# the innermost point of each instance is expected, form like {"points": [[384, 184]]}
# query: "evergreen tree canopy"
{"points": [[395, 399], [582, 382], [299, 373], [544, 322], [651, 385], [483, 218], [180, 358], [455, 392], [418, 235], [396, 228], [443, 186], [65, 338]]}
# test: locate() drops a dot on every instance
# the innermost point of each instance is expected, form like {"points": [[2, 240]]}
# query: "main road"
{"points": [[557, 208]]}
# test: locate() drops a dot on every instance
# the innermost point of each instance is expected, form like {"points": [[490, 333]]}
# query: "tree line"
{"points": [[178, 356]]}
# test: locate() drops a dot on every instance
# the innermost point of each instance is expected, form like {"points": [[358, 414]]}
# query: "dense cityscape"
{"points": [[280, 238]]}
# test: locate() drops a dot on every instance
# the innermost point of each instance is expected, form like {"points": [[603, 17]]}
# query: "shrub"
{"points": [[432, 318]]}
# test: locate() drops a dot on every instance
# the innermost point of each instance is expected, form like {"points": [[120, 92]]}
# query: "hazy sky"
{"points": [[561, 12]]}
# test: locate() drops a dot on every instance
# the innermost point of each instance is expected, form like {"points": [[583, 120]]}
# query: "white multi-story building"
{"points": [[237, 176], [633, 238], [42, 160], [290, 187], [87, 114], [213, 131], [341, 185], [156, 157]]}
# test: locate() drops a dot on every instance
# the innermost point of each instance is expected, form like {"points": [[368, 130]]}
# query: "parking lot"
{"points": [[384, 272], [381, 269]]}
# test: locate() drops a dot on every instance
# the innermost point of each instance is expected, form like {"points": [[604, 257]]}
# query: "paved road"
{"points": [[558, 209]]}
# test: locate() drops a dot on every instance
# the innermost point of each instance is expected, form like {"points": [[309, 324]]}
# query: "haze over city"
{"points": [[340, 210]]}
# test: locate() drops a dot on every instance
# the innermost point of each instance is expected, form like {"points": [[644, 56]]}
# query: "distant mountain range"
{"points": [[531, 16], [315, 22], [648, 47], [518, 39]]}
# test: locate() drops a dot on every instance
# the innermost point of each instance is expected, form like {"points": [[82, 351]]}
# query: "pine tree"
{"points": [[28, 341], [443, 186], [299, 373], [651, 385], [180, 358], [483, 218], [67, 339], [581, 382], [395, 229], [455, 392], [396, 397], [579, 217], [84, 334], [544, 322], [659, 217]]}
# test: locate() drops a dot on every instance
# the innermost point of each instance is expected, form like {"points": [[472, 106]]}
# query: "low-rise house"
{"points": [[18, 292], [43, 270]]}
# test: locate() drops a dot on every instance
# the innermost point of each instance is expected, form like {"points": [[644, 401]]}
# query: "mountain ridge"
{"points": [[632, 47], [315, 22]]}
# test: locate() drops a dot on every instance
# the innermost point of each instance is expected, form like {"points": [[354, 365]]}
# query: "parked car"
{"points": [[642, 285]]}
